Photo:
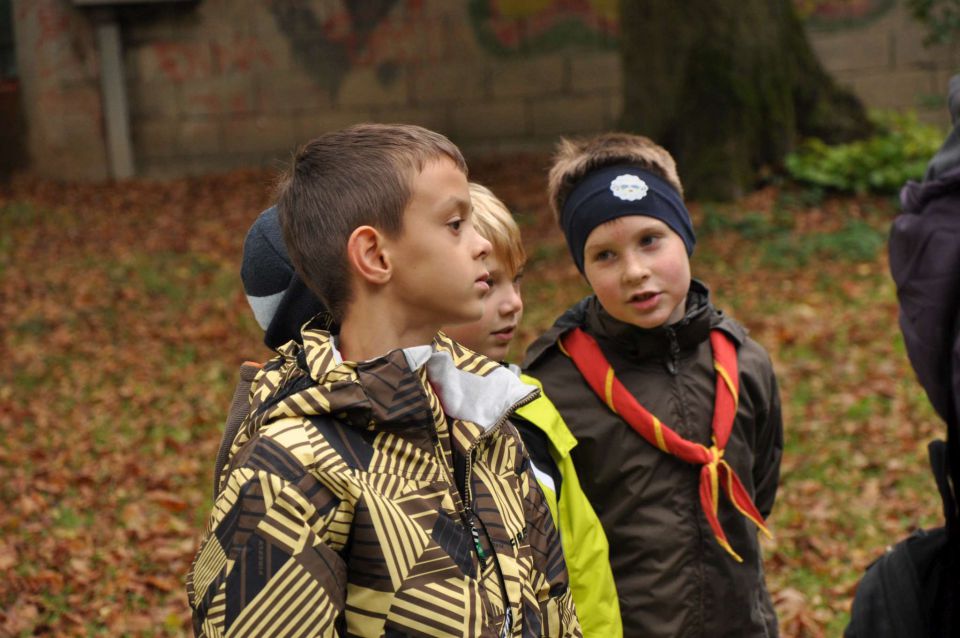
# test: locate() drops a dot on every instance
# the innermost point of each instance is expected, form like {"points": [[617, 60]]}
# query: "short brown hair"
{"points": [[493, 222], [577, 157], [342, 180]]}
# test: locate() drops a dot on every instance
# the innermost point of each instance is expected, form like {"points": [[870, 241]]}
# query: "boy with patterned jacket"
{"points": [[377, 487], [674, 409], [280, 301]]}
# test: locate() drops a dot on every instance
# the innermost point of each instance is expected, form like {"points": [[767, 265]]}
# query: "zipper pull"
{"points": [[673, 362], [482, 555]]}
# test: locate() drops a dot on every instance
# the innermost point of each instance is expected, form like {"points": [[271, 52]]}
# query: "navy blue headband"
{"points": [[617, 191]]}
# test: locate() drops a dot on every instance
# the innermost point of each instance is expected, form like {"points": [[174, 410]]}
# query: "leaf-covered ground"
{"points": [[122, 324]]}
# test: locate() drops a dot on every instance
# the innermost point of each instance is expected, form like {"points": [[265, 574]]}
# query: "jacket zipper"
{"points": [[507, 628], [673, 362]]}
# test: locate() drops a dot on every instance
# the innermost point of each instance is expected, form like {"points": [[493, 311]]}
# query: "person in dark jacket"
{"points": [[925, 264], [914, 589], [674, 408]]}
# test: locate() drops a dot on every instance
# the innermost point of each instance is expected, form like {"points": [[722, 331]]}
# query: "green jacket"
{"points": [[581, 535]]}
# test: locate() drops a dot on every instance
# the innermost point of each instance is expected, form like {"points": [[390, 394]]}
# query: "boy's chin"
{"points": [[497, 354], [640, 321]]}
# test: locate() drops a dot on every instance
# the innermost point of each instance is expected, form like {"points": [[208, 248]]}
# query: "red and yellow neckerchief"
{"points": [[599, 375]]}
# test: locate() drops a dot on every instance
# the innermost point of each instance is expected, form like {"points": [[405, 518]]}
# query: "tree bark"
{"points": [[728, 88]]}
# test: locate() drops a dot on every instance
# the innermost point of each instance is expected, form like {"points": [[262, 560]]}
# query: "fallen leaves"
{"points": [[123, 321]]}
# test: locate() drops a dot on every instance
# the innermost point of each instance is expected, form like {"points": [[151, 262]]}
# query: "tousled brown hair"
{"points": [[576, 157], [342, 180]]}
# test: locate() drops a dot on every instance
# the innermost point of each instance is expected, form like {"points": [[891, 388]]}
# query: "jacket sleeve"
{"points": [[272, 539], [551, 585], [768, 450]]}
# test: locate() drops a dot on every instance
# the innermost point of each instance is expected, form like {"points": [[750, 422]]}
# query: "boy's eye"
{"points": [[604, 255], [649, 240], [455, 224]]}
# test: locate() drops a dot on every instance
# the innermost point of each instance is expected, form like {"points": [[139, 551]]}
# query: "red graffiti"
{"points": [[52, 20], [243, 55], [205, 103], [180, 61]]}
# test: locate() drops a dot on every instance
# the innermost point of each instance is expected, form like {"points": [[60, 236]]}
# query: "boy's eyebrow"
{"points": [[457, 203]]}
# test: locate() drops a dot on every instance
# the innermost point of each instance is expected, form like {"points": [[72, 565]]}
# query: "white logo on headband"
{"points": [[629, 188]]}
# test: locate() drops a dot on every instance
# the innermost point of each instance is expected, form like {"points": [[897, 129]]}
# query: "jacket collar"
{"points": [[688, 333], [701, 316], [388, 391]]}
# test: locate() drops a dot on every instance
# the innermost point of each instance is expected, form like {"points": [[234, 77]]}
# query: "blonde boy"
{"points": [[543, 431]]}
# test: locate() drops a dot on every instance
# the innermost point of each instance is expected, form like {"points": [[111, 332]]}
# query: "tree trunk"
{"points": [[727, 87]]}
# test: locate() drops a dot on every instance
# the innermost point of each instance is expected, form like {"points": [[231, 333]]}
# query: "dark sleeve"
{"points": [[769, 449], [538, 447], [239, 409]]}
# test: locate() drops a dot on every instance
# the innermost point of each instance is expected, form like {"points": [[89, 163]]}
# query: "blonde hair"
{"points": [[495, 224]]}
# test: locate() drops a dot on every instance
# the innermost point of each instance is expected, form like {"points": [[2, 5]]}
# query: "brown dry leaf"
{"points": [[163, 583], [21, 617], [8, 556], [168, 500]]}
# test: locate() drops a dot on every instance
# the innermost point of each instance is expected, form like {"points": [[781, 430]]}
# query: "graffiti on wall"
{"points": [[841, 14], [329, 39], [526, 27]]}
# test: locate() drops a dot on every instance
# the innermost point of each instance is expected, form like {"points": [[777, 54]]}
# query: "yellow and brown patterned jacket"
{"points": [[390, 497]]}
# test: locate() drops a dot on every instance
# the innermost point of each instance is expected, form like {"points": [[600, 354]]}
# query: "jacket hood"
{"points": [[948, 157], [914, 196], [388, 391]]}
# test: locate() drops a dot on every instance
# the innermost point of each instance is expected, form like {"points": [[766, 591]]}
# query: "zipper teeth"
{"points": [[496, 426], [468, 506]]}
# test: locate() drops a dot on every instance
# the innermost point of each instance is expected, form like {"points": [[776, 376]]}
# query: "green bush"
{"points": [[897, 152]]}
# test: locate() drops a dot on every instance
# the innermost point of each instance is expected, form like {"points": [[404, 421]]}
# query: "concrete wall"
{"points": [[223, 83], [60, 91]]}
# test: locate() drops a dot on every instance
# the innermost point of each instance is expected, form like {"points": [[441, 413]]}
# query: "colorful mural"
{"points": [[524, 27], [841, 14], [330, 38]]}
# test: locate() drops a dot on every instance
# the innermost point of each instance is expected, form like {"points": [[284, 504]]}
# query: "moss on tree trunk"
{"points": [[727, 87]]}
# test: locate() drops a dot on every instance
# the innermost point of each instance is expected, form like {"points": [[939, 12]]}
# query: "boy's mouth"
{"points": [[483, 282], [644, 300], [504, 334]]}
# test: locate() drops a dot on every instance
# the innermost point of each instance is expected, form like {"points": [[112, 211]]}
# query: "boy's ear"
{"points": [[365, 252]]}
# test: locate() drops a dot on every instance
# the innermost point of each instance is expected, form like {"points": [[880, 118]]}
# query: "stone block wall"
{"points": [[216, 84], [880, 54]]}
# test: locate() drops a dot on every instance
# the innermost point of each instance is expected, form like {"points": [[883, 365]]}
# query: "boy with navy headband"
{"points": [[675, 410]]}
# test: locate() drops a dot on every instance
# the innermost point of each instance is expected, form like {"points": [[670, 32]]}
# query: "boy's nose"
{"points": [[635, 270], [483, 247], [512, 303]]}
